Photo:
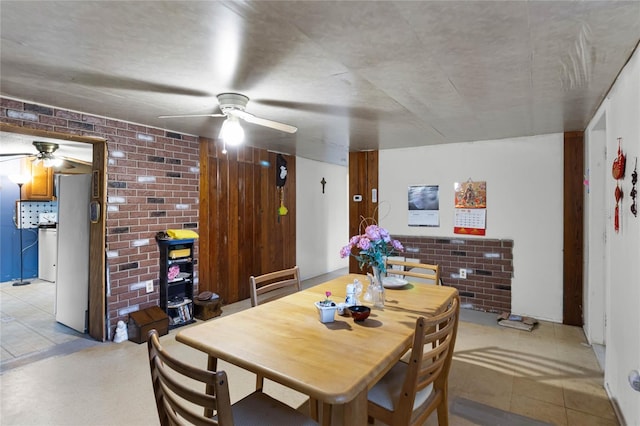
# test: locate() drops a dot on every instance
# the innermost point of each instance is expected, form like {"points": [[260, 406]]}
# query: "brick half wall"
{"points": [[488, 262], [153, 178]]}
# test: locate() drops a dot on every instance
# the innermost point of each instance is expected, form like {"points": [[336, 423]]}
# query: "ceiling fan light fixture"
{"points": [[46, 147], [45, 154], [231, 132], [52, 162]]}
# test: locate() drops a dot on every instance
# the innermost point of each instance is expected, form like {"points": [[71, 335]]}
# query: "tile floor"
{"points": [[28, 329], [50, 375]]}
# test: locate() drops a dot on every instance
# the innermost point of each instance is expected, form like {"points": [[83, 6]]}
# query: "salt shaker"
{"points": [[351, 295]]}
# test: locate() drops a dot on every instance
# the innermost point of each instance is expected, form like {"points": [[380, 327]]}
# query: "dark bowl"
{"points": [[359, 312]]}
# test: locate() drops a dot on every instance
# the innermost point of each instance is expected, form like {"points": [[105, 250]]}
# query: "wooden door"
{"points": [[363, 181], [573, 244]]}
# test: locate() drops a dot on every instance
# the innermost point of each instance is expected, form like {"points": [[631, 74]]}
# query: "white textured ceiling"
{"points": [[350, 75]]}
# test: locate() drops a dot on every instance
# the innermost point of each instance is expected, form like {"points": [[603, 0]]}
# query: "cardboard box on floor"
{"points": [[515, 321]]}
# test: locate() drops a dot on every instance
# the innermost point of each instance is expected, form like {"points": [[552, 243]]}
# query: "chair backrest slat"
{"points": [[430, 362], [422, 271], [175, 385], [274, 285]]}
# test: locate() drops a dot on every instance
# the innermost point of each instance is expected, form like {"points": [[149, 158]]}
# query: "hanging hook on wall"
{"points": [[634, 191]]}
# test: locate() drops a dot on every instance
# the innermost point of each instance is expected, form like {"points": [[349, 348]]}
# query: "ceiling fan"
{"points": [[45, 155], [232, 106]]}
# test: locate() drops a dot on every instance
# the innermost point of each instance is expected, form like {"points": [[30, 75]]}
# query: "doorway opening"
{"points": [[97, 271], [596, 257], [36, 309]]}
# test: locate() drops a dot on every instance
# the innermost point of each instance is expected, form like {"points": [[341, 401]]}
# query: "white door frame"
{"points": [[597, 220]]}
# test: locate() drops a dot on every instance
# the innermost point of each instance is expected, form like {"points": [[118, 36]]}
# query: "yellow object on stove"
{"points": [[174, 254], [181, 234]]}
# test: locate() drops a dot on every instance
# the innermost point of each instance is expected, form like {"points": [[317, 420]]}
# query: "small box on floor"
{"points": [[507, 319], [145, 320], [207, 305]]}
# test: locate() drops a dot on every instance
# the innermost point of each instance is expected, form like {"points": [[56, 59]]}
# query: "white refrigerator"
{"points": [[72, 269]]}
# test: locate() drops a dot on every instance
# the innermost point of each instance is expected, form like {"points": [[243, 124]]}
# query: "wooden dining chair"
{"points": [[414, 271], [181, 398], [271, 286], [274, 285], [410, 392]]}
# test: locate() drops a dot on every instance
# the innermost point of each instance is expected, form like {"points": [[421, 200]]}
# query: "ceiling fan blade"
{"points": [[12, 157], [191, 115], [68, 160], [13, 154], [64, 74], [336, 110], [66, 164], [264, 122]]}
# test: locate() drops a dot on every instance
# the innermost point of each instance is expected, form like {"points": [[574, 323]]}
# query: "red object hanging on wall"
{"points": [[616, 218], [619, 163], [618, 173]]}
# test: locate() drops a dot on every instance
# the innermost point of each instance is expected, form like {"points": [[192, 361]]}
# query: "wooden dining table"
{"points": [[335, 363]]}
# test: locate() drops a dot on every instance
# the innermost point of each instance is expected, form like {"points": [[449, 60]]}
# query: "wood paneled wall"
{"points": [[363, 177], [573, 247], [241, 232]]}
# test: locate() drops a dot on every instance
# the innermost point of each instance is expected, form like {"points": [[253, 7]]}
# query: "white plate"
{"points": [[393, 282]]}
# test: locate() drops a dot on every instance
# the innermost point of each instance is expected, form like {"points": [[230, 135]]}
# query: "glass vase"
{"points": [[378, 289]]}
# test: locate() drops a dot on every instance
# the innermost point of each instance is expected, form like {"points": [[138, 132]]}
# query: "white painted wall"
{"points": [[322, 219], [524, 204], [621, 266], [524, 196]]}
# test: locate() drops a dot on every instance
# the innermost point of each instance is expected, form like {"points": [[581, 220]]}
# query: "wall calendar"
{"points": [[470, 214]]}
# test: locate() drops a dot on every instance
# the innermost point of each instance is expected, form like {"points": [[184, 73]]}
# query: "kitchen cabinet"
{"points": [[41, 185], [176, 280]]}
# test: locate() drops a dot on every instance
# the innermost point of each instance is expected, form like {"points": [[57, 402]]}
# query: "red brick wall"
{"points": [[489, 265], [136, 210]]}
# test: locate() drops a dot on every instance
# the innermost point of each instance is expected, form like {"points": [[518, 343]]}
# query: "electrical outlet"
{"points": [[149, 286], [463, 274]]}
